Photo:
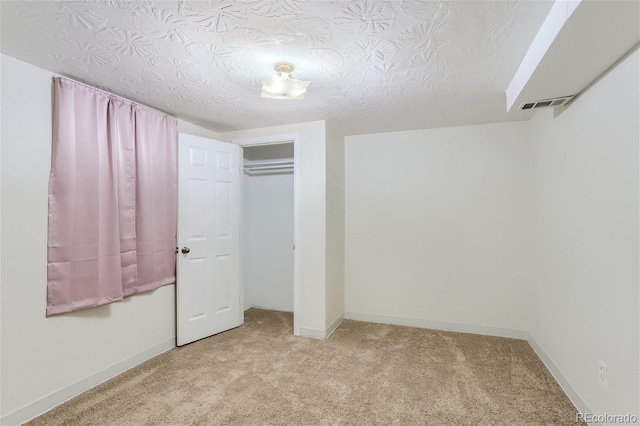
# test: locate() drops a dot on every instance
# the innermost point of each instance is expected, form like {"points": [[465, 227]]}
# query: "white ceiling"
{"points": [[374, 65]]}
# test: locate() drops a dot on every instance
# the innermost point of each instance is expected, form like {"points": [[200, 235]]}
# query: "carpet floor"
{"points": [[364, 374]]}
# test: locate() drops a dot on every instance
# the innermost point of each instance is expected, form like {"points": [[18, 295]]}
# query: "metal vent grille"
{"points": [[545, 103]]}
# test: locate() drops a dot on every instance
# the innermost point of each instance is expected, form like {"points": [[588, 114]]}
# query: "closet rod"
{"points": [[275, 167], [268, 172], [266, 162]]}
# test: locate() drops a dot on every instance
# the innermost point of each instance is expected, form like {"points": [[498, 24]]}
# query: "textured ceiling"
{"points": [[374, 65]]}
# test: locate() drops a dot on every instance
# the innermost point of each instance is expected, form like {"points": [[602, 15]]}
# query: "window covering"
{"points": [[112, 199]]}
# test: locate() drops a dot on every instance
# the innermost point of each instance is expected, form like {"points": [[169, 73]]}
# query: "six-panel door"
{"points": [[208, 266]]}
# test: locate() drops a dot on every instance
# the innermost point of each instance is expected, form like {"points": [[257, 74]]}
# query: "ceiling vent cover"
{"points": [[545, 103]]}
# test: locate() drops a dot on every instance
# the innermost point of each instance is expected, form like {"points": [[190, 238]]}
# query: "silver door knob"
{"points": [[185, 250]]}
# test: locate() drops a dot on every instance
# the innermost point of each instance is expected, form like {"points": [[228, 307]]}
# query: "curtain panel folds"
{"points": [[112, 199]]}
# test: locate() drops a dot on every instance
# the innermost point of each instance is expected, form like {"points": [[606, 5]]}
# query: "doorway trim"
{"points": [[276, 140]]}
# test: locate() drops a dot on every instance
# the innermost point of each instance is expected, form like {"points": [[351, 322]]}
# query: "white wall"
{"points": [[436, 225], [586, 193], [268, 241], [47, 360], [516, 226], [194, 129], [312, 239], [335, 228]]}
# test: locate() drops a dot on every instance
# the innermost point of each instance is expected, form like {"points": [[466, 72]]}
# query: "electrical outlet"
{"points": [[603, 374]]}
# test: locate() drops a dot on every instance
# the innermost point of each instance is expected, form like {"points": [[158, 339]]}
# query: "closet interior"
{"points": [[267, 230]]}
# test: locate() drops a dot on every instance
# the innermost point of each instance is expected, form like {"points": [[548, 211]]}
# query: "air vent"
{"points": [[545, 103]]}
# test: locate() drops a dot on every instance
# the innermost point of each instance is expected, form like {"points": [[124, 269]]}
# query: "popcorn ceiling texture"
{"points": [[374, 65], [364, 374]]}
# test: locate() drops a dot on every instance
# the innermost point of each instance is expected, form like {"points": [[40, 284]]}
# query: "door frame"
{"points": [[276, 140]]}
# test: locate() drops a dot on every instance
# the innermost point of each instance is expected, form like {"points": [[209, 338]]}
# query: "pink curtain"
{"points": [[112, 199]]}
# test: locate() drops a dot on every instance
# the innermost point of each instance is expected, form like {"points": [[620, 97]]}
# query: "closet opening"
{"points": [[268, 226]]}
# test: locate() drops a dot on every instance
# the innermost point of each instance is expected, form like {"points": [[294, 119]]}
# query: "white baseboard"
{"points": [[335, 324], [50, 401], [440, 325], [569, 390], [314, 333]]}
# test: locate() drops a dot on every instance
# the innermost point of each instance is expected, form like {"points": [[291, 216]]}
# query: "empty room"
{"points": [[320, 212]]}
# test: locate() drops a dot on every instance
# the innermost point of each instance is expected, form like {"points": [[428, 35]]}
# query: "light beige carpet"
{"points": [[364, 374]]}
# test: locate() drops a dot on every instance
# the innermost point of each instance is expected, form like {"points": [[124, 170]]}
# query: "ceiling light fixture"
{"points": [[282, 86]]}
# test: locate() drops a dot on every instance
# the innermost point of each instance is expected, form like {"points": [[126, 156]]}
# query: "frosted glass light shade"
{"points": [[282, 86], [276, 88]]}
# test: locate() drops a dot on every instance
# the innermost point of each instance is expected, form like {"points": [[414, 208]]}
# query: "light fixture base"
{"points": [[285, 67]]}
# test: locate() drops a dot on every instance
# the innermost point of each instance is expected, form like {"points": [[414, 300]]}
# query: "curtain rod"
{"points": [[114, 95]]}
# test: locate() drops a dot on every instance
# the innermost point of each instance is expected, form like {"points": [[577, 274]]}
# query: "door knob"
{"points": [[185, 250]]}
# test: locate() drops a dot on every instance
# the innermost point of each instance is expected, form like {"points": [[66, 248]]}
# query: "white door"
{"points": [[208, 266]]}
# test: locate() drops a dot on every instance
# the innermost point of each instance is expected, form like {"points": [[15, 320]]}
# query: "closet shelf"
{"points": [[252, 168]]}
